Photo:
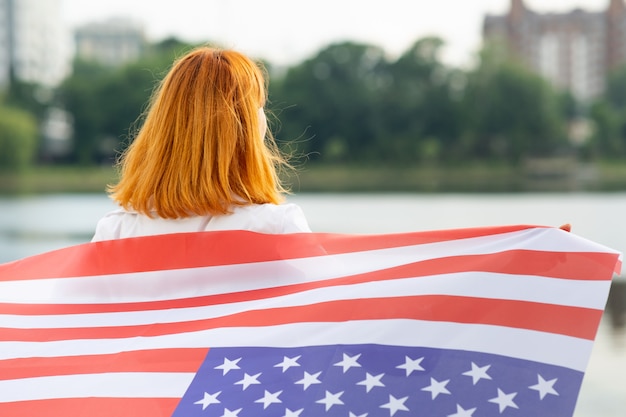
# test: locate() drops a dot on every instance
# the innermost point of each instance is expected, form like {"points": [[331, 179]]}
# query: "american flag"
{"points": [[495, 321]]}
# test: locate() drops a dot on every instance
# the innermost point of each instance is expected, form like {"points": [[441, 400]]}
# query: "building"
{"points": [[113, 42], [33, 42], [574, 50]]}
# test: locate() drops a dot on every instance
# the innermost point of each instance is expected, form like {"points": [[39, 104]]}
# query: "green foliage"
{"points": [[28, 97], [326, 103], [608, 114], [511, 113], [351, 103], [419, 106], [18, 138], [107, 103], [609, 123]]}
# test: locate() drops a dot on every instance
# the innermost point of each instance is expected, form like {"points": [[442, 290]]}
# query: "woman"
{"points": [[203, 159]]}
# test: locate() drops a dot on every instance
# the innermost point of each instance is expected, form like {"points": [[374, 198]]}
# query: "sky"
{"points": [[285, 32]]}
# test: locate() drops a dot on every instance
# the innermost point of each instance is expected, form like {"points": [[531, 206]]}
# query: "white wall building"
{"points": [[111, 42], [34, 42]]}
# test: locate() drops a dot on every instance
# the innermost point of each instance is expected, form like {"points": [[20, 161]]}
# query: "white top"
{"points": [[261, 218]]}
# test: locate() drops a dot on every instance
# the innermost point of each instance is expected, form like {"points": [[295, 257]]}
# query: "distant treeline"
{"points": [[350, 103]]}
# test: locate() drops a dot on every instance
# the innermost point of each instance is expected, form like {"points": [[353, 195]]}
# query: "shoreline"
{"points": [[470, 178]]}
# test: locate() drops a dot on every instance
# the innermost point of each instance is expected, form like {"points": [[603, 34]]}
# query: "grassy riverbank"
{"points": [[361, 178], [461, 178], [57, 179], [418, 178]]}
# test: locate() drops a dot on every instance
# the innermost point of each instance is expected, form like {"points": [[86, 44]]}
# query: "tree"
{"points": [[18, 138], [419, 107], [326, 102], [107, 103], [511, 113], [608, 138], [29, 97], [350, 103], [78, 93], [608, 114]]}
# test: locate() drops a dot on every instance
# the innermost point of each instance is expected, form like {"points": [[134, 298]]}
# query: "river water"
{"points": [[35, 224]]}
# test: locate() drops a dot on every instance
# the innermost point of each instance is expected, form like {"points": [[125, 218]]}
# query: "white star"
{"points": [[228, 413], [504, 400], [371, 381], [395, 404], [360, 415], [437, 387], [478, 372], [248, 380], [228, 365], [331, 399], [269, 398], [288, 363], [309, 380], [349, 362], [461, 412], [411, 365], [544, 387], [209, 399], [289, 413]]}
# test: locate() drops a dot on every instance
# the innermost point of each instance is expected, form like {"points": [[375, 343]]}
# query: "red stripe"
{"points": [[572, 321], [192, 250], [161, 360], [91, 407], [575, 266]]}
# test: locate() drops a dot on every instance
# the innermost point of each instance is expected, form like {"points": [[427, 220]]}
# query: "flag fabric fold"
{"points": [[487, 321]]}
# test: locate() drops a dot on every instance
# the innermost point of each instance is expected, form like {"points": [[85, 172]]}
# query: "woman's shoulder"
{"points": [[268, 218], [270, 208], [117, 213], [109, 225]]}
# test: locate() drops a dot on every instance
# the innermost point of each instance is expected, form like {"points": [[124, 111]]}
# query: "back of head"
{"points": [[203, 146]]}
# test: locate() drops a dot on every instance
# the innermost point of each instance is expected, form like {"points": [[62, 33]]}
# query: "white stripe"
{"points": [[195, 282], [555, 349], [586, 294], [113, 385]]}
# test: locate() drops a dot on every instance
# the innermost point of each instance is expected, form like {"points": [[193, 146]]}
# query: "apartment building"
{"points": [[575, 50]]}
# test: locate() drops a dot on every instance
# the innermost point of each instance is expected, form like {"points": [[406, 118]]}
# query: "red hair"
{"points": [[200, 150]]}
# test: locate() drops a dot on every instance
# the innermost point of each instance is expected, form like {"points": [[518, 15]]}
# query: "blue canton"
{"points": [[375, 381]]}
